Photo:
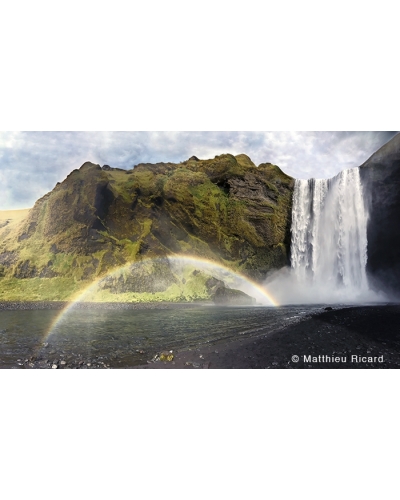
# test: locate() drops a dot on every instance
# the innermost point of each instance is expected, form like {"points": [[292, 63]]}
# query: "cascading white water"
{"points": [[328, 245], [329, 236]]}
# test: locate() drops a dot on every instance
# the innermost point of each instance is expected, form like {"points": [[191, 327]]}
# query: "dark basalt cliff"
{"points": [[225, 209], [380, 176]]}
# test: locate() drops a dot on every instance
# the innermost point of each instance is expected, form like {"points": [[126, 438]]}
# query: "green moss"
{"points": [[244, 161], [39, 289], [62, 263]]}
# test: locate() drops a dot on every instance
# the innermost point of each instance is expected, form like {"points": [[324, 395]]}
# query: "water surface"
{"points": [[90, 338]]}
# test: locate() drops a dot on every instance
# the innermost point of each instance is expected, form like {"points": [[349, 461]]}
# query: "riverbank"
{"points": [[355, 337], [56, 305]]}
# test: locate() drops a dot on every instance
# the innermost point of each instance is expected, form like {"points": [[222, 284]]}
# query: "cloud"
{"points": [[31, 163]]}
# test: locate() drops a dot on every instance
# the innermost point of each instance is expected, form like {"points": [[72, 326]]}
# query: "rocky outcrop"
{"points": [[220, 294], [147, 277], [229, 297], [380, 176], [225, 209]]}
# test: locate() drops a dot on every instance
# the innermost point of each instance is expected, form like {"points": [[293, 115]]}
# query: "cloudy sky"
{"points": [[31, 163]]}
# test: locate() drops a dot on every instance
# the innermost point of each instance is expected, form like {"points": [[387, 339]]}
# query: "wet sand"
{"points": [[356, 337]]}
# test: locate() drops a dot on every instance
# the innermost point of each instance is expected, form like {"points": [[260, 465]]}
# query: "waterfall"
{"points": [[328, 245], [329, 237]]}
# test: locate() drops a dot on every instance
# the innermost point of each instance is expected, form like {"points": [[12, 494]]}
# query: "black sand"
{"points": [[332, 339]]}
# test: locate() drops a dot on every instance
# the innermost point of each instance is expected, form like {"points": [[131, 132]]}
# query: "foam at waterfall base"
{"points": [[288, 289]]}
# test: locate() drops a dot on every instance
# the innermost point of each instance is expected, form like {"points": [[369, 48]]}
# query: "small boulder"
{"points": [[231, 297], [166, 356]]}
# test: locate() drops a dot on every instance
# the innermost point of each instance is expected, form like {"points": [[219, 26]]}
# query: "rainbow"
{"points": [[185, 259]]}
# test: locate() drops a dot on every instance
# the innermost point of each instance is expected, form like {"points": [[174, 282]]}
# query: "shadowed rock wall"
{"points": [[380, 175]]}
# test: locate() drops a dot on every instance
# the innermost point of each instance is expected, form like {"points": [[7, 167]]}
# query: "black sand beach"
{"points": [[356, 337]]}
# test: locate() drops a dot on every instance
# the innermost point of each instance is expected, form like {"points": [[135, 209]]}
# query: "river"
{"points": [[123, 338]]}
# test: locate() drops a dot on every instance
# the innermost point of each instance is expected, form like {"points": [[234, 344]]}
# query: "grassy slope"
{"points": [[12, 217]]}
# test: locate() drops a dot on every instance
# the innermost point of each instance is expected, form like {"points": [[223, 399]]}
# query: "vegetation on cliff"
{"points": [[225, 209]]}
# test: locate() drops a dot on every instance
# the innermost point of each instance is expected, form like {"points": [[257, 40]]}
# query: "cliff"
{"points": [[380, 176], [225, 209]]}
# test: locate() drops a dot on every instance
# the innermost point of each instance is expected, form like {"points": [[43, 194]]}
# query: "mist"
{"points": [[287, 288]]}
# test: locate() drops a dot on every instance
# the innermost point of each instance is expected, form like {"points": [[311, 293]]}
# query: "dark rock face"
{"points": [[109, 169], [224, 296], [25, 270], [150, 277], [231, 297], [8, 258], [380, 176], [213, 284]]}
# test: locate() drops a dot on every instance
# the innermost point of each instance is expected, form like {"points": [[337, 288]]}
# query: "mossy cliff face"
{"points": [[225, 209]]}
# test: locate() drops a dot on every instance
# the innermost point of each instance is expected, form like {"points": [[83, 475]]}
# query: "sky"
{"points": [[31, 163]]}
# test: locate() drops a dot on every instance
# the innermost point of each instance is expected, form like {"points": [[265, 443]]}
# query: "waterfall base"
{"points": [[287, 289]]}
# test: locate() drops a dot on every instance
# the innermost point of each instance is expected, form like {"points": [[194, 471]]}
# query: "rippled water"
{"points": [[90, 338]]}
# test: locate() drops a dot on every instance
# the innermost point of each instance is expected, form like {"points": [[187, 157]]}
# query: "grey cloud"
{"points": [[31, 163]]}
